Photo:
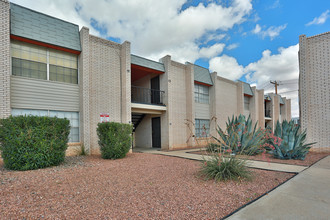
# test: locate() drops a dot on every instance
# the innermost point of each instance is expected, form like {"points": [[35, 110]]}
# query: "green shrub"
{"points": [[114, 139], [289, 141], [211, 147], [222, 169], [33, 142], [241, 137]]}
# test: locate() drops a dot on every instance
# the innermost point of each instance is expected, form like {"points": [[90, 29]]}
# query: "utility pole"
{"points": [[276, 84]]}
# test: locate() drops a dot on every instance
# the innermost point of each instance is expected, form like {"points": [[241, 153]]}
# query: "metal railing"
{"points": [[147, 96], [267, 113]]}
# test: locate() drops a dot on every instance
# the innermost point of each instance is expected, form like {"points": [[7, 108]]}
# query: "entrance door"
{"points": [[156, 132], [155, 93]]}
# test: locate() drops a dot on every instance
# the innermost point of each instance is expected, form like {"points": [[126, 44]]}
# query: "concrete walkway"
{"points": [[251, 163], [305, 196]]}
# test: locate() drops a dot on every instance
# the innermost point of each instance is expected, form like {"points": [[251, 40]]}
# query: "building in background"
{"points": [[51, 68], [314, 89]]}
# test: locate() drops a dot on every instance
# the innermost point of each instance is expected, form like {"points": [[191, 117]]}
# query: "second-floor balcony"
{"points": [[267, 113], [143, 95]]}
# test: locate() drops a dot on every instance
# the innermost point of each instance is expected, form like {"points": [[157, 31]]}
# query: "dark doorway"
{"points": [[156, 132], [155, 93]]}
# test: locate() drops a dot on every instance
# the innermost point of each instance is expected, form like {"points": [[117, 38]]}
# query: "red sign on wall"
{"points": [[104, 117]]}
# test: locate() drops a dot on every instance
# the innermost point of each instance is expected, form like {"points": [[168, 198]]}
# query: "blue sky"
{"points": [[250, 40]]}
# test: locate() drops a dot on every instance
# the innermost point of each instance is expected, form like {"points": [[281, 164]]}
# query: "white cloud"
{"points": [[276, 4], [232, 46], [226, 67], [282, 67], [257, 29], [214, 50], [321, 19], [270, 32], [154, 31], [216, 37]]}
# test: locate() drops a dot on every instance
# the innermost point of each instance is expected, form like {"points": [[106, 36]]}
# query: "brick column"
{"points": [[125, 62], [190, 104], [261, 107], [84, 90], [165, 81], [5, 64], [288, 109], [240, 98], [213, 92]]}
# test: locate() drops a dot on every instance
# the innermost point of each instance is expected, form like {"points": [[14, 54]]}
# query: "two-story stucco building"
{"points": [[50, 67]]}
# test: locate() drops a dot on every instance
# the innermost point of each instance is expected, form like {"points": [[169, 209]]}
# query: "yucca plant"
{"points": [[241, 137], [222, 169], [292, 141]]}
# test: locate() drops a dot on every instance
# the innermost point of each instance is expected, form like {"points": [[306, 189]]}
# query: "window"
{"points": [[246, 103], [29, 61], [72, 116], [201, 94], [281, 109], [63, 67], [202, 127], [38, 62]]}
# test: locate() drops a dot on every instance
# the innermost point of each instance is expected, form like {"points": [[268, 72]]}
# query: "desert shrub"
{"points": [[289, 141], [241, 137], [212, 147], [220, 168], [33, 142], [114, 139]]}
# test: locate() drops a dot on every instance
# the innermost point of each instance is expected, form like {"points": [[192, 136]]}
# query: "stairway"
{"points": [[136, 120]]}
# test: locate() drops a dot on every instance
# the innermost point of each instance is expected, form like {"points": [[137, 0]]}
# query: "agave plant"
{"points": [[241, 137], [292, 144]]}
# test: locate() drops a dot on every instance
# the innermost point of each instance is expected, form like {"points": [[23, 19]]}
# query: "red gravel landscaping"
{"points": [[140, 186], [311, 158]]}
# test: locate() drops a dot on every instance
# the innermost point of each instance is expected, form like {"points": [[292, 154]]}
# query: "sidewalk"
{"points": [[305, 196], [251, 163]]}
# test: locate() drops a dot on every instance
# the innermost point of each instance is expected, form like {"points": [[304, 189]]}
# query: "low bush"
{"points": [[114, 139], [220, 168], [33, 142], [289, 141]]}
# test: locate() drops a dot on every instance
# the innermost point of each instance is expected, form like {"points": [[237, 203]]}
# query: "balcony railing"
{"points": [[267, 113], [147, 96]]}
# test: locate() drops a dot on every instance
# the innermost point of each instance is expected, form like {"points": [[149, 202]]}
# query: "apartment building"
{"points": [[314, 89], [50, 67]]}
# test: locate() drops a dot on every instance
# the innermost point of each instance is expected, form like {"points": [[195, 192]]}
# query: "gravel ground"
{"points": [[311, 158], [140, 186]]}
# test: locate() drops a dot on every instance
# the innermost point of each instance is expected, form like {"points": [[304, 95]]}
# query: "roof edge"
{"points": [[45, 14]]}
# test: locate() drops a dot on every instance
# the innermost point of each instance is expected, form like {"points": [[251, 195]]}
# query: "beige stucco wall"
{"points": [[143, 133], [314, 89], [177, 105], [227, 103]]}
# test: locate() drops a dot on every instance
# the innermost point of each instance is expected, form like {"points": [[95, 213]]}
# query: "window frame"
{"points": [[247, 106], [19, 45], [199, 123], [202, 94]]}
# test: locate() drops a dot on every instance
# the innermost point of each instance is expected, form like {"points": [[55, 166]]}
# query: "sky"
{"points": [[254, 41]]}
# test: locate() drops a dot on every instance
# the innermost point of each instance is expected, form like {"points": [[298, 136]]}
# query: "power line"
{"points": [[290, 91], [289, 83]]}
